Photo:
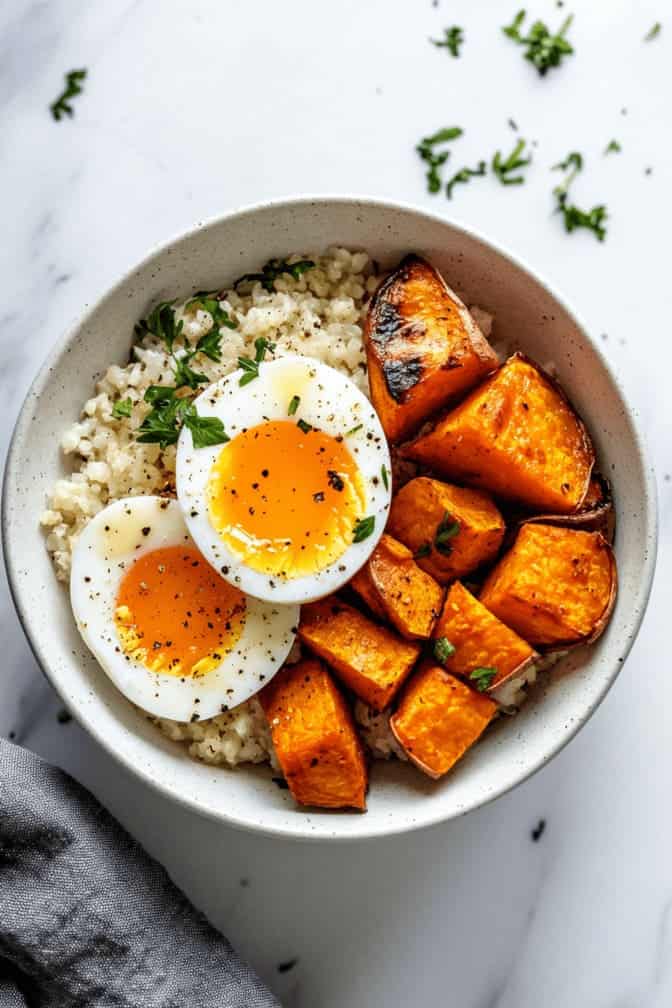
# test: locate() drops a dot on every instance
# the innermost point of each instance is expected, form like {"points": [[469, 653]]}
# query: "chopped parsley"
{"points": [[463, 175], [613, 147], [452, 40], [172, 405], [353, 430], [305, 427], [383, 473], [482, 677], [170, 412], [593, 220], [293, 405], [122, 408], [161, 322], [205, 431], [185, 376], [273, 269], [209, 302], [543, 49], [503, 167], [435, 159], [73, 87], [423, 551], [446, 530], [249, 366], [443, 649], [653, 32], [363, 528]]}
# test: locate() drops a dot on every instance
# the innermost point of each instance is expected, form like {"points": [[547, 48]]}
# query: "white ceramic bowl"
{"points": [[527, 313]]}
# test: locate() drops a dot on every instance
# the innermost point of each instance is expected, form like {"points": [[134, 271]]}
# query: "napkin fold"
{"points": [[88, 919]]}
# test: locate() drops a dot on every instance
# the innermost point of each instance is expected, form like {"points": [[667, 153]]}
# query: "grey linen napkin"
{"points": [[88, 919]]}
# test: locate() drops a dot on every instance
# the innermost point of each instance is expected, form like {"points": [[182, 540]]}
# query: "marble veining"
{"points": [[193, 109]]}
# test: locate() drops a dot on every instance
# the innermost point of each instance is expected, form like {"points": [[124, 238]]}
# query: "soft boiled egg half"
{"points": [[174, 636], [293, 504]]}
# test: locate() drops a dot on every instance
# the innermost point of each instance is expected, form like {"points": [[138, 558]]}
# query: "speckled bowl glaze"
{"points": [[528, 315]]}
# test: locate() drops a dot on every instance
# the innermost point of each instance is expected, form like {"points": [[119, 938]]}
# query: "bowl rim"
{"points": [[304, 833]]}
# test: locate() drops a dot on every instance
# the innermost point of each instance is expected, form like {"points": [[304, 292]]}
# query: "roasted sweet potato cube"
{"points": [[394, 587], [370, 659], [315, 737], [516, 436], [555, 586], [363, 584], [423, 347], [596, 514], [438, 719], [486, 652], [450, 530]]}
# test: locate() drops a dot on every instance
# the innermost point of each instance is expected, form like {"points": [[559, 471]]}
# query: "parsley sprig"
{"points": [[452, 40], [172, 405], [434, 158], [210, 342], [169, 413], [463, 175], [543, 48], [273, 269], [593, 220], [504, 167], [73, 87]]}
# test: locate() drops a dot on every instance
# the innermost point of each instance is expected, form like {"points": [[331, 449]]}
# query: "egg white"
{"points": [[328, 401], [106, 549]]}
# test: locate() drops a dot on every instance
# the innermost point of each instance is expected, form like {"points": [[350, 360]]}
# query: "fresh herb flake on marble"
{"points": [[73, 87], [433, 158], [503, 167], [574, 218], [543, 49], [452, 40], [653, 32], [463, 175]]}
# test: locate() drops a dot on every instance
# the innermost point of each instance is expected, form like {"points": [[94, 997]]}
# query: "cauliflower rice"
{"points": [[319, 314]]}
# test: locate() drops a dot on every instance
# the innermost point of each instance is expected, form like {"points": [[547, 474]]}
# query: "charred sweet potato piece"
{"points": [[485, 650], [555, 586], [370, 659], [517, 436], [450, 530], [315, 737], [438, 719], [423, 347], [391, 581]]}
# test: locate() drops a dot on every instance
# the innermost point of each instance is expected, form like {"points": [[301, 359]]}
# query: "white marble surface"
{"points": [[193, 108]]}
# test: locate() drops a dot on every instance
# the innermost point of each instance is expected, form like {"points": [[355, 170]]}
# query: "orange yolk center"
{"points": [[175, 614], [284, 500]]}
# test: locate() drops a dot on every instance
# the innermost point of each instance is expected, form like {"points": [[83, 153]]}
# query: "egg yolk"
{"points": [[285, 499], [175, 614]]}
